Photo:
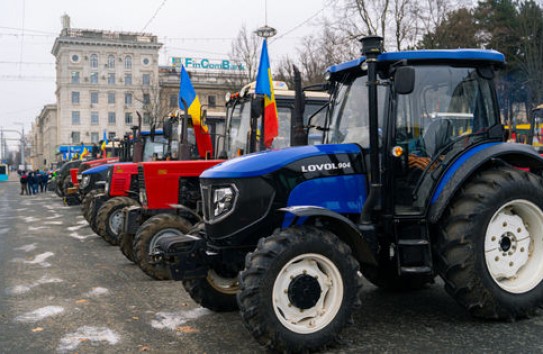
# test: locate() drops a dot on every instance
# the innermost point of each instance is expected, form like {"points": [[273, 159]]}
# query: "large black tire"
{"points": [[149, 234], [66, 183], [489, 249], [109, 218], [218, 290], [126, 245], [86, 203], [299, 289]]}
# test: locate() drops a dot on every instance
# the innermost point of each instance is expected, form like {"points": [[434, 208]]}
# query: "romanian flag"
{"points": [[188, 100], [103, 148], [84, 153], [264, 86]]}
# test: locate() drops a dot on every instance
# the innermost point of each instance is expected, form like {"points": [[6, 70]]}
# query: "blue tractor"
{"points": [[415, 180]]}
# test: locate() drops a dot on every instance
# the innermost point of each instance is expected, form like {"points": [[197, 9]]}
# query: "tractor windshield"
{"points": [[349, 120], [156, 149], [447, 102]]}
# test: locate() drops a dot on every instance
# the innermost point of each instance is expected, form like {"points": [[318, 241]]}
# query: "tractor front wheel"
{"points": [[216, 292], [147, 238], [86, 204], [490, 246], [299, 289], [110, 218]]}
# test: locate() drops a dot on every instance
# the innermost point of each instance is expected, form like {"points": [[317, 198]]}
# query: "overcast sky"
{"points": [[203, 29]]}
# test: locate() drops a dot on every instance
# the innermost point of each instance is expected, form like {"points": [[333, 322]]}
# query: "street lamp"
{"points": [[266, 32], [23, 145]]}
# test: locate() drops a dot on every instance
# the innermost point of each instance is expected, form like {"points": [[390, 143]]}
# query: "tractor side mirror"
{"points": [[404, 80], [256, 106], [167, 128]]}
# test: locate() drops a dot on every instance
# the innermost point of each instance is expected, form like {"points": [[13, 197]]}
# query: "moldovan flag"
{"points": [[188, 100], [84, 153], [103, 148], [264, 86]]}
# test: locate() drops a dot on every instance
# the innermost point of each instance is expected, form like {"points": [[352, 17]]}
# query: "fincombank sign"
{"points": [[205, 64]]}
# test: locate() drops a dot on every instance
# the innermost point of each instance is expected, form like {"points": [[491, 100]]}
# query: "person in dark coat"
{"points": [[24, 183], [32, 183], [43, 179]]}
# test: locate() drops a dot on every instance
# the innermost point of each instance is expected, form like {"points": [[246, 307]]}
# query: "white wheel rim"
{"points": [[224, 285], [311, 320], [514, 246], [160, 234], [116, 220]]}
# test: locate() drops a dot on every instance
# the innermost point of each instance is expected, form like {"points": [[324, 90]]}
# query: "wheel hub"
{"points": [[304, 291], [116, 221], [507, 245]]}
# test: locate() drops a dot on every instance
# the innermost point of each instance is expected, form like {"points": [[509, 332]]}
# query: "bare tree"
{"points": [[245, 49]]}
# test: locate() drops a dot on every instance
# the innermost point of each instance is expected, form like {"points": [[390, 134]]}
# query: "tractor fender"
{"points": [[341, 226], [474, 160]]}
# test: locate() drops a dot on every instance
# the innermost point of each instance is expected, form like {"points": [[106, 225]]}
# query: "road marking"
{"points": [[172, 320], [85, 334], [21, 289], [39, 314]]}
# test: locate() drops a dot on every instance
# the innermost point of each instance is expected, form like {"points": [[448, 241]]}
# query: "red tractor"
{"points": [[174, 208]]}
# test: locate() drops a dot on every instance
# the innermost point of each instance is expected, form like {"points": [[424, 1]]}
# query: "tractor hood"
{"points": [[100, 168], [265, 162]]}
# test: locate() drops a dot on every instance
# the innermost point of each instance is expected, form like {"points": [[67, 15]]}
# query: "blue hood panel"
{"points": [[261, 163]]}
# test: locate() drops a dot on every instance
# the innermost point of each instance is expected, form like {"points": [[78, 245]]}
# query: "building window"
{"points": [[146, 98], [128, 79], [111, 97], [76, 117], [173, 101], [111, 135], [75, 97], [94, 97], [94, 60], [94, 78], [111, 61], [128, 118], [146, 79], [95, 137], [76, 138], [212, 101], [128, 62], [111, 79], [95, 119], [75, 77], [128, 99], [111, 118], [147, 118]]}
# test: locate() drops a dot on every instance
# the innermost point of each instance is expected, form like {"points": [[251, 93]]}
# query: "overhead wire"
{"points": [[154, 15]]}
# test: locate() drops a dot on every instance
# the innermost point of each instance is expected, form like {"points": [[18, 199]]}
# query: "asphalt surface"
{"points": [[63, 289]]}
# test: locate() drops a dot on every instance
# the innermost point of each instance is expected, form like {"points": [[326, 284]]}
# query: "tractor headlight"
{"points": [[223, 201], [85, 181]]}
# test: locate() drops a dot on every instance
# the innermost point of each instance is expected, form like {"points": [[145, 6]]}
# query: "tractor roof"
{"points": [[427, 56]]}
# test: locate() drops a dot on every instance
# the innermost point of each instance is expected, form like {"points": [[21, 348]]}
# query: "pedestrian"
{"points": [[44, 179], [24, 183], [32, 183]]}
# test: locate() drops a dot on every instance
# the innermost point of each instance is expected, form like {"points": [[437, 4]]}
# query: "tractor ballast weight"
{"points": [[416, 180]]}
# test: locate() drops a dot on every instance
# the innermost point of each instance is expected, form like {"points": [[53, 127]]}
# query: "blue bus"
{"points": [[4, 172]]}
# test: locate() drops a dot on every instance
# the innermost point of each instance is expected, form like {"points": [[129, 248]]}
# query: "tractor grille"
{"points": [[141, 179]]}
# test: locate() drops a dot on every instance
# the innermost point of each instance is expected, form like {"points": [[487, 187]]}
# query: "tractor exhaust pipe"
{"points": [[371, 48]]}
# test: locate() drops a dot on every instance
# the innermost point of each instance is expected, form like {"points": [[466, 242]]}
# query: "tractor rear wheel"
{"points": [[490, 246], [299, 289], [109, 219], [147, 238], [218, 290], [86, 203]]}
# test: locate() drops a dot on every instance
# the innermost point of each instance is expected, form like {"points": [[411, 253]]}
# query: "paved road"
{"points": [[65, 290]]}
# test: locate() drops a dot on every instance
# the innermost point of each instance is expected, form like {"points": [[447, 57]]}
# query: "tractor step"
{"points": [[413, 246]]}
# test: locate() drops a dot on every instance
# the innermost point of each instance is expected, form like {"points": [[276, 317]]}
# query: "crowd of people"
{"points": [[33, 182]]}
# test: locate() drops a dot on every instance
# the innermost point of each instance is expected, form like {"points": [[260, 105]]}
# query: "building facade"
{"points": [[104, 79]]}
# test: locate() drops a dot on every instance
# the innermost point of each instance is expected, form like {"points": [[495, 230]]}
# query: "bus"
{"points": [[4, 172]]}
